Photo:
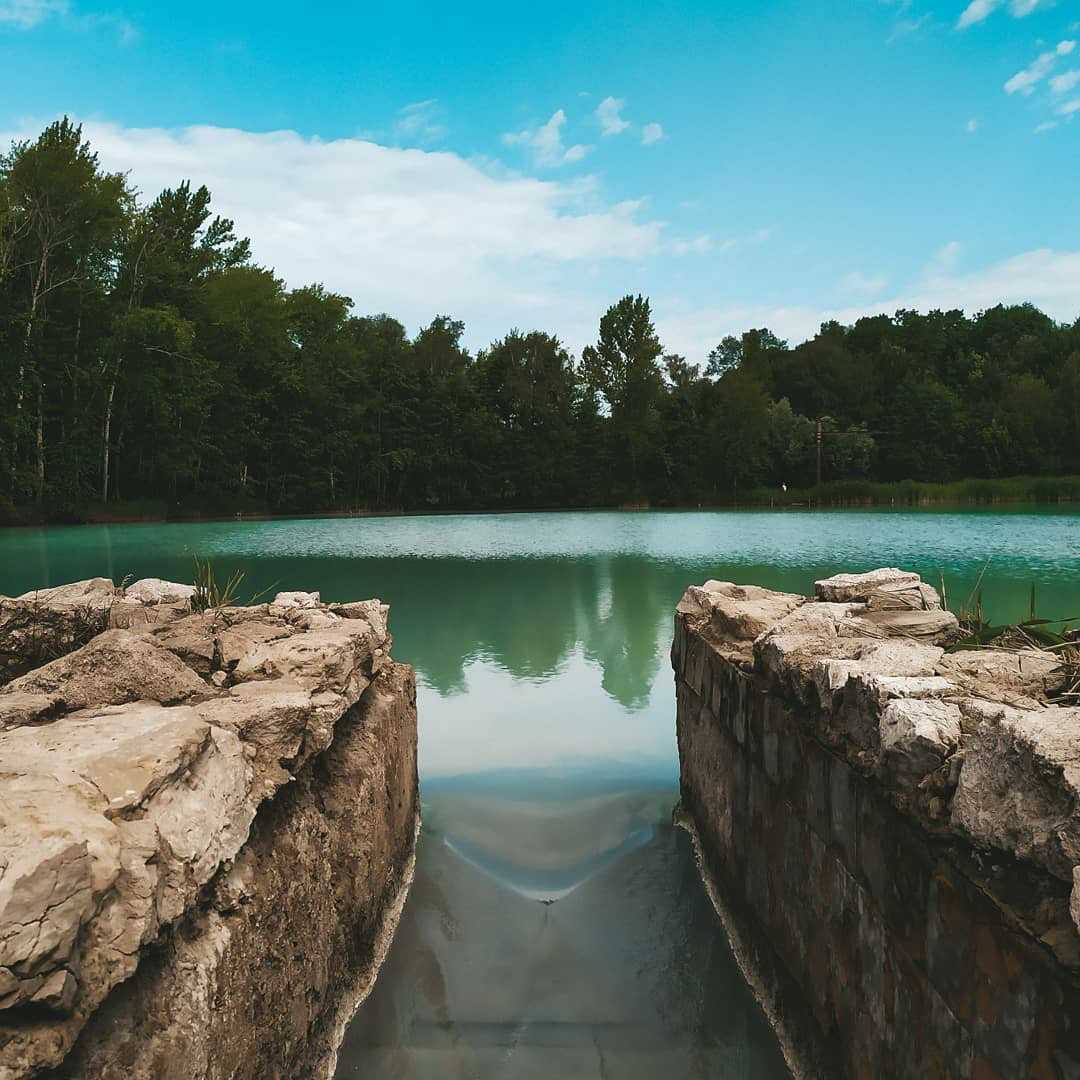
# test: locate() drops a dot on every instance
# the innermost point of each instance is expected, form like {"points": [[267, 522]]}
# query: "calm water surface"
{"points": [[557, 926]]}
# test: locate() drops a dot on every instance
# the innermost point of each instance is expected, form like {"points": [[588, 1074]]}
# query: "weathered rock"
{"points": [[257, 980], [845, 588], [1074, 900], [157, 591], [893, 846], [296, 600], [43, 624], [917, 735], [739, 612], [128, 784], [1019, 678], [98, 593], [1019, 787], [115, 667], [193, 639]]}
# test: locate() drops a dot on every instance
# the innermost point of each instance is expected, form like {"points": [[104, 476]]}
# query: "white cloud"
{"points": [[26, 14], [1062, 84], [979, 10], [945, 258], [546, 144], [976, 12], [1046, 125], [608, 113], [407, 231], [1050, 279], [1068, 108], [1026, 80], [863, 284], [971, 126], [419, 122], [698, 245], [651, 133], [906, 27]]}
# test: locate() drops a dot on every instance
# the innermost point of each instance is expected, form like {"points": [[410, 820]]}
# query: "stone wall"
{"points": [[888, 828], [207, 825]]}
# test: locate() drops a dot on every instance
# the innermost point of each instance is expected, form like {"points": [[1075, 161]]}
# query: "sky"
{"points": [[744, 164]]}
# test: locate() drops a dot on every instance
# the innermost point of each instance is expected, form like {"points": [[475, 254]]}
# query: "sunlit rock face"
{"points": [[147, 846], [893, 825]]}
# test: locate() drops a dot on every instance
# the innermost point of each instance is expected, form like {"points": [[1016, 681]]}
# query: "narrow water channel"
{"points": [[557, 926]]}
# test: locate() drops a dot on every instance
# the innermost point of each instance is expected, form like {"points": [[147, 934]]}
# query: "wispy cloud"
{"points": [[1045, 277], [1062, 84], [980, 10], [903, 28], [697, 245], [651, 133], [860, 284], [419, 122], [1025, 80], [945, 259], [26, 14], [608, 113], [545, 142]]}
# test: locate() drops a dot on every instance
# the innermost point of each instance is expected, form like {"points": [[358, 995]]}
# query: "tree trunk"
{"points": [[39, 482], [105, 438], [35, 296]]}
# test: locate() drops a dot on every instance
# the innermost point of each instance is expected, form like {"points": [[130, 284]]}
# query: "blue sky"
{"points": [[744, 164]]}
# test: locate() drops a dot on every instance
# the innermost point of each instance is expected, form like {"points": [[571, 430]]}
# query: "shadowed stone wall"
{"points": [[887, 942]]}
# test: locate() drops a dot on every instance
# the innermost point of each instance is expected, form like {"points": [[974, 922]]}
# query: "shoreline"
{"points": [[781, 503]]}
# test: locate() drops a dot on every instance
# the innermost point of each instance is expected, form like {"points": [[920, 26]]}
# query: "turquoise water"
{"points": [[556, 926]]}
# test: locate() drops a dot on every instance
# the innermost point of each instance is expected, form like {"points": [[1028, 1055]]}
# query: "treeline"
{"points": [[144, 356]]}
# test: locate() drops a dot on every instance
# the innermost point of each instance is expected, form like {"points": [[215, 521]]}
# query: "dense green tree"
{"points": [[623, 368]]}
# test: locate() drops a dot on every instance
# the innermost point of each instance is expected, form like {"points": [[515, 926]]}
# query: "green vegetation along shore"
{"points": [[150, 368]]}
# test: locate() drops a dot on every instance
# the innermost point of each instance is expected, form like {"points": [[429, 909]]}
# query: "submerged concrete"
{"points": [[891, 828], [208, 824]]}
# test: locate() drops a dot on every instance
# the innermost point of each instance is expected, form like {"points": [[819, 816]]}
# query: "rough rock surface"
{"points": [[131, 777], [942, 730], [897, 824]]}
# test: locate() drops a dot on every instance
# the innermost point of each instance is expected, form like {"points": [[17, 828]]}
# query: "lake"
{"points": [[557, 926]]}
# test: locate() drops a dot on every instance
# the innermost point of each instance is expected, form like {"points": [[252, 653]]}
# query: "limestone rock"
{"points": [[1020, 677], [845, 588], [917, 735], [1074, 899], [93, 592], [739, 612], [1019, 787], [117, 666], [296, 600], [157, 591], [46, 623], [193, 639], [128, 782]]}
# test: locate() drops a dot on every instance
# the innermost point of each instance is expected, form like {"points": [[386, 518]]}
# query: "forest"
{"points": [[149, 365]]}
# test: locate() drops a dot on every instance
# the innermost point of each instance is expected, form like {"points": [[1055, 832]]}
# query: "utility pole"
{"points": [[819, 452]]}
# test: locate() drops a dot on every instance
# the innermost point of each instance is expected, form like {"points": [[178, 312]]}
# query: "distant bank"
{"points": [[841, 495]]}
